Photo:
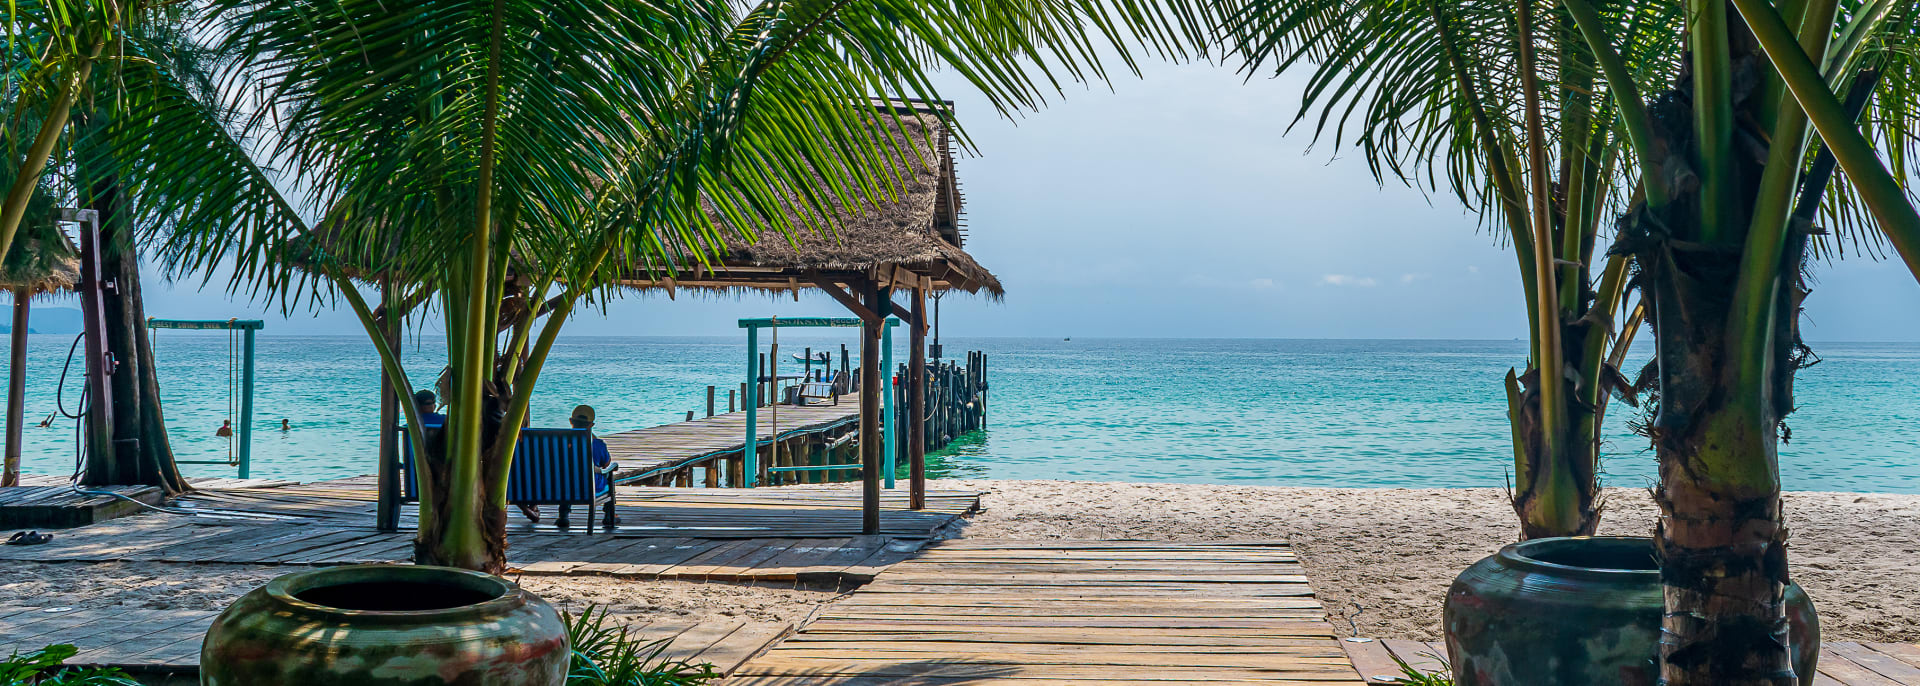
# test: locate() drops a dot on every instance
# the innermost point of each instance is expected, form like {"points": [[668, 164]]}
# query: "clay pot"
{"points": [[386, 625], [1576, 612]]}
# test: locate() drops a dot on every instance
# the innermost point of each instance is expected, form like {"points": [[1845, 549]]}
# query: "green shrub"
{"points": [[47, 667], [606, 655]]}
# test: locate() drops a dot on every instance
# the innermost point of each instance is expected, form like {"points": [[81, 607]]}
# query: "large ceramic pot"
{"points": [[1576, 612], [386, 625]]}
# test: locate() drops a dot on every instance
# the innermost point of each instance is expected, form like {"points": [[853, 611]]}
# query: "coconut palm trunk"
{"points": [[1721, 273]]}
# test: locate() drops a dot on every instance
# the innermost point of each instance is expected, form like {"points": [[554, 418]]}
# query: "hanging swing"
{"points": [[236, 426]]}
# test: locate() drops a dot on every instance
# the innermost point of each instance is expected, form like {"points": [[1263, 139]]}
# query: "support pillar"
{"points": [[917, 403], [751, 452], [870, 389]]}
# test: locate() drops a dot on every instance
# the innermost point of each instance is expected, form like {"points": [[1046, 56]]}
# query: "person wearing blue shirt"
{"points": [[425, 401], [582, 418]]}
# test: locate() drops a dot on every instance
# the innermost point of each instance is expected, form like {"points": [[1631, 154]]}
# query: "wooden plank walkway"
{"points": [[60, 506], [668, 446], [150, 641], [794, 535], [1842, 663], [985, 612]]}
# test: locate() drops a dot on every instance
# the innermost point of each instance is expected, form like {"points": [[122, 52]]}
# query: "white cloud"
{"points": [[1261, 283], [1473, 269], [1345, 280], [1410, 278]]}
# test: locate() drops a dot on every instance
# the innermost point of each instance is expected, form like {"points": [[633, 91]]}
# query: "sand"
{"points": [[157, 585], [1389, 554]]}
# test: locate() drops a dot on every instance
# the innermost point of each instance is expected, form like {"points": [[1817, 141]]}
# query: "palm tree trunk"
{"points": [[140, 430], [16, 386]]}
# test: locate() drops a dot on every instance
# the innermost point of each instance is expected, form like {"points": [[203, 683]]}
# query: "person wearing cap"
{"points": [[426, 402], [582, 418]]}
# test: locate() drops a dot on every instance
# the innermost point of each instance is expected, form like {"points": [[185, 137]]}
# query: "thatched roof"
{"points": [[918, 231], [42, 259]]}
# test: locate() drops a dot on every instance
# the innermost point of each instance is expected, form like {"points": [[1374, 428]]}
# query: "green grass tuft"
{"points": [[1415, 677]]}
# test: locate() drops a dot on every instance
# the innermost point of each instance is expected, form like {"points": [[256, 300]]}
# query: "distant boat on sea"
{"points": [[822, 357], [1069, 338]]}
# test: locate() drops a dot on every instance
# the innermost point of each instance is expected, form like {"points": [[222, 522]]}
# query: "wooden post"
{"points": [[870, 387], [17, 387], [709, 401], [917, 403], [689, 415], [711, 473], [102, 469], [730, 401], [387, 511]]}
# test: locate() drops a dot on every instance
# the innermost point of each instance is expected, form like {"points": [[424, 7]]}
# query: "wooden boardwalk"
{"points": [[987, 612], [1842, 663], [167, 642], [668, 447], [807, 535]]}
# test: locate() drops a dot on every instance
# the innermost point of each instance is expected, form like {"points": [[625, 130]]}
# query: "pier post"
{"points": [[889, 422], [709, 401], [870, 388], [917, 403], [751, 453], [246, 405]]}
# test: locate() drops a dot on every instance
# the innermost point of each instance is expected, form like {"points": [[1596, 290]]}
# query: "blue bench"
{"points": [[550, 467]]}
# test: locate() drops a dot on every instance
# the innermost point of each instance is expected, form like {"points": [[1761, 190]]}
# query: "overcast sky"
{"points": [[1174, 207]]}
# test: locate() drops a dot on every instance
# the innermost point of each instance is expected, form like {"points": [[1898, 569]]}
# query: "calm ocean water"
{"points": [[1279, 412]]}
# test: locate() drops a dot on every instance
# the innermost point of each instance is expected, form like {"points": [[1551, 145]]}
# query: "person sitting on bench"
{"points": [[425, 402], [582, 418]]}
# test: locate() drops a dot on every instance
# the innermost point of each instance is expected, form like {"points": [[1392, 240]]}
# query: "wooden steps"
{"points": [[1070, 612], [1842, 663]]}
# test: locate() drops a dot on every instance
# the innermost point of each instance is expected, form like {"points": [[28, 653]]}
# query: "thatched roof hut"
{"points": [[42, 259], [917, 236]]}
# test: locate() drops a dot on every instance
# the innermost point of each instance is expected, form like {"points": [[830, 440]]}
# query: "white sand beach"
{"points": [[1393, 552]]}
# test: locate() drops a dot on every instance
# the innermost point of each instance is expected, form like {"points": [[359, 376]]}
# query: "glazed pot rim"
{"points": [[1522, 555], [285, 589]]}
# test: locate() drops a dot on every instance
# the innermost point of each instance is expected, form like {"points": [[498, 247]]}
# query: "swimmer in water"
{"points": [[285, 425], [225, 430]]}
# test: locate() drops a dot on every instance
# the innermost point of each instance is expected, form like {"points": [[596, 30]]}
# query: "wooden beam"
{"points": [[854, 305]]}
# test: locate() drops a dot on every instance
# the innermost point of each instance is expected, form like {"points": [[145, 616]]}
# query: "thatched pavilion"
{"points": [[41, 261], [911, 243]]}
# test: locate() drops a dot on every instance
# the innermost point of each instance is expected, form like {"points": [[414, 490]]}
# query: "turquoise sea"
{"points": [[1244, 411]]}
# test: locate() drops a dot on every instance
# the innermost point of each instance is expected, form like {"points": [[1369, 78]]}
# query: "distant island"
{"points": [[48, 320]]}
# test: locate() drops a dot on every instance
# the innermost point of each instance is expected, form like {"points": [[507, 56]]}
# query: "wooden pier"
{"points": [[708, 451]]}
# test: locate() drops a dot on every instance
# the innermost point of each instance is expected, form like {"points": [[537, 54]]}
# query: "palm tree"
{"points": [[1508, 108], [1721, 224], [512, 157]]}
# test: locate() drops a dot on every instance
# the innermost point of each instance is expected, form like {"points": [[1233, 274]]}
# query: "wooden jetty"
{"points": [[992, 612], [1842, 663], [709, 451], [60, 506]]}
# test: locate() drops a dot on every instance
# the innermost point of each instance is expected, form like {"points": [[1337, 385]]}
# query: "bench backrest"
{"points": [[550, 466]]}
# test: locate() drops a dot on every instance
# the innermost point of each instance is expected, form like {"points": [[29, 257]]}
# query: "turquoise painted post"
{"points": [[246, 408], [750, 456], [886, 404]]}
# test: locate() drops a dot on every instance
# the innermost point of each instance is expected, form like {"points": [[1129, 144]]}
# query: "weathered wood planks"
{"points": [[168, 641], [60, 506], [1079, 612]]}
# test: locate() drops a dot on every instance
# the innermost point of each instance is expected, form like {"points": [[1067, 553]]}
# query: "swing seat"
{"points": [[550, 467]]}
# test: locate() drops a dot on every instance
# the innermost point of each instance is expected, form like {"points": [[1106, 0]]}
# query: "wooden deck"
{"points": [[668, 447], [986, 612], [1842, 663], [60, 506], [167, 642], [807, 535]]}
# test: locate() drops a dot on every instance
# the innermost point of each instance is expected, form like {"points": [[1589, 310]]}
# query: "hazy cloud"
{"points": [[1346, 280]]}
